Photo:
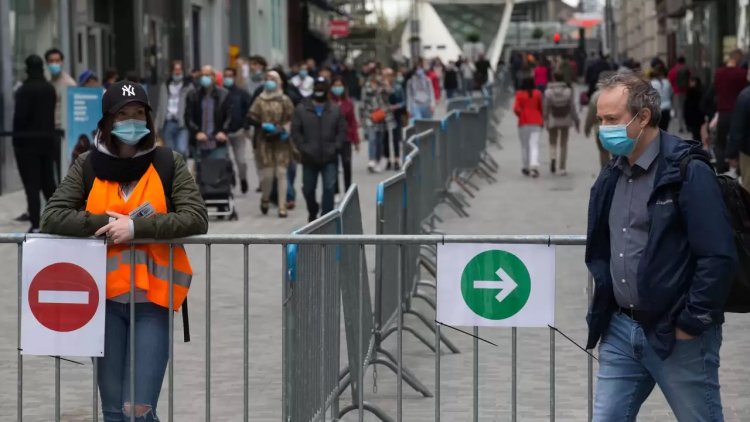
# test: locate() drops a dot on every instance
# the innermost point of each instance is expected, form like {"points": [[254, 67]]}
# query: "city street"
{"points": [[517, 204]]}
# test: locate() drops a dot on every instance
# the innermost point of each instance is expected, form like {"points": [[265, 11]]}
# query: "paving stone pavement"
{"points": [[514, 205]]}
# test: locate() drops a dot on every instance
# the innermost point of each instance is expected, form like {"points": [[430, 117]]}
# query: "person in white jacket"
{"points": [[660, 82], [303, 81]]}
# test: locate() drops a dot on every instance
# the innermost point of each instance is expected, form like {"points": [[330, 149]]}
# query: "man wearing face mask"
{"points": [[661, 251], [170, 116], [319, 133], [420, 95], [59, 79], [208, 115], [303, 81], [239, 124]]}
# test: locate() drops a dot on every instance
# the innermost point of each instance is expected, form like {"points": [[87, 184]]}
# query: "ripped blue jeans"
{"points": [[151, 356]]}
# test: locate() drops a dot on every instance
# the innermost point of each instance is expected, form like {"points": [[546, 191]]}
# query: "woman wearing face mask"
{"points": [[122, 190], [272, 113], [529, 109], [340, 97], [375, 114], [170, 116]]}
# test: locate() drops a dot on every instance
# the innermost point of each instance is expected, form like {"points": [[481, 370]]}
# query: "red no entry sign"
{"points": [[63, 297]]}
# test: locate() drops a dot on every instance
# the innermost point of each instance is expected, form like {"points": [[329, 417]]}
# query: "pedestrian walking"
{"points": [[397, 108], [664, 88], [303, 81], [661, 251], [729, 81], [679, 77], [738, 147], [257, 69], [467, 76], [450, 81], [592, 123], [240, 101], [126, 171], [595, 67], [208, 113], [375, 111], [528, 108], [319, 132], [432, 75], [420, 96], [693, 113], [272, 113], [559, 115], [59, 79], [541, 76], [170, 116], [340, 97], [34, 137], [482, 73]]}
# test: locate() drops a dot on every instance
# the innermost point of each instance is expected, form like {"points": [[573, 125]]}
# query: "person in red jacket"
{"points": [[679, 78], [433, 77], [340, 97], [729, 81], [528, 108]]}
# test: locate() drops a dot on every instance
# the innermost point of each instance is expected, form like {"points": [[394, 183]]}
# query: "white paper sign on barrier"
{"points": [[496, 285], [63, 299]]}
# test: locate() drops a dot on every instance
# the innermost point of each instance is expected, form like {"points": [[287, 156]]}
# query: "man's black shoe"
{"points": [[243, 186], [22, 217]]}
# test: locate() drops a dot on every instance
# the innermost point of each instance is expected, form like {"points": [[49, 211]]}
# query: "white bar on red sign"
{"points": [[62, 296]]}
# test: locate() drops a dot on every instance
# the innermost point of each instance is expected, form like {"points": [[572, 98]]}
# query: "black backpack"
{"points": [[164, 165], [737, 201]]}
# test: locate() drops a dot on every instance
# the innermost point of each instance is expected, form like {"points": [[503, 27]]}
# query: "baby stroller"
{"points": [[215, 177]]}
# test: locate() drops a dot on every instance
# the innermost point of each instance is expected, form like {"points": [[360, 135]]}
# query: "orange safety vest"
{"points": [[152, 260]]}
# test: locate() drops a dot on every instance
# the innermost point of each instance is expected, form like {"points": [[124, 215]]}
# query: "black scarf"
{"points": [[121, 170]]}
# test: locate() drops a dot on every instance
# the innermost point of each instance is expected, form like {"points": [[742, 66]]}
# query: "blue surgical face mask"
{"points": [[177, 77], [400, 79], [337, 90], [303, 73], [54, 68], [420, 72], [206, 81], [131, 131], [615, 139], [270, 86], [228, 82]]}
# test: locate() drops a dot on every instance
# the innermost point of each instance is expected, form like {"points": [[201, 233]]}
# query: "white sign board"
{"points": [[496, 285], [63, 300]]}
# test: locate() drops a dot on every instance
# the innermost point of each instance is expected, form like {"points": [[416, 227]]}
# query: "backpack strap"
{"points": [[690, 157]]}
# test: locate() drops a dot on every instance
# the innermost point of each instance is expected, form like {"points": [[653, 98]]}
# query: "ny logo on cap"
{"points": [[128, 90]]}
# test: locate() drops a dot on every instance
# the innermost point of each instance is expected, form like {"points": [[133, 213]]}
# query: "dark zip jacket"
{"points": [[318, 138], [687, 266]]}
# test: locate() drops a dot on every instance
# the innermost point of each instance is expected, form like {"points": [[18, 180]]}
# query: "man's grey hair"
{"points": [[640, 94]]}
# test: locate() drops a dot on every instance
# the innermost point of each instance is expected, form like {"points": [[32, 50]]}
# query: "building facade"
{"points": [[637, 30]]}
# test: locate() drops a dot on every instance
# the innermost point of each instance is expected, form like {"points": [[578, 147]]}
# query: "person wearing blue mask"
{"points": [[59, 79], [271, 114], [241, 102], [170, 116], [303, 81], [208, 114], [128, 188], [661, 251], [319, 133]]}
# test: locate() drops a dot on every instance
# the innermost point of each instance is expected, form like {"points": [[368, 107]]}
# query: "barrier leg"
{"points": [[475, 395], [464, 187], [414, 332], [431, 326], [438, 338], [390, 363], [19, 356], [376, 411]]}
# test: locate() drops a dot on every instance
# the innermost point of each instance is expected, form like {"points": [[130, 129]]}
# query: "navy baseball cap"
{"points": [[120, 94]]}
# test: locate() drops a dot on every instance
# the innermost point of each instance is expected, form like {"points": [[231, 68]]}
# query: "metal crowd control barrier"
{"points": [[311, 331]]}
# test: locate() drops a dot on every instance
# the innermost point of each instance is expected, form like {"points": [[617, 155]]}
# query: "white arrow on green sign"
{"points": [[495, 284]]}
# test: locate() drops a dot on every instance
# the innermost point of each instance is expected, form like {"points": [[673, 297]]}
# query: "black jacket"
{"points": [[222, 111], [34, 116], [318, 139], [241, 102], [690, 258], [739, 134]]}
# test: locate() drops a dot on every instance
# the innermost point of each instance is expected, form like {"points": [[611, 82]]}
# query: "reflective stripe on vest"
{"points": [[142, 258], [152, 260]]}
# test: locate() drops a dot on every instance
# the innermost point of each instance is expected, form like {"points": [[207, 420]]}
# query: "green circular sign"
{"points": [[495, 284]]}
